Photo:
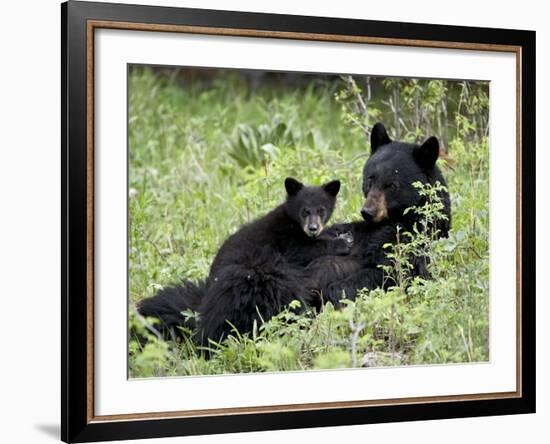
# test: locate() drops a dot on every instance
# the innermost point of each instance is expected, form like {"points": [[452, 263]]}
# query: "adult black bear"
{"points": [[259, 269], [388, 176]]}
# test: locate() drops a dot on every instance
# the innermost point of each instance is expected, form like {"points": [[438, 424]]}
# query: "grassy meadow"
{"points": [[209, 151]]}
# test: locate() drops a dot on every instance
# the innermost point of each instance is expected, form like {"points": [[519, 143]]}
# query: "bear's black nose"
{"points": [[368, 213], [312, 228]]}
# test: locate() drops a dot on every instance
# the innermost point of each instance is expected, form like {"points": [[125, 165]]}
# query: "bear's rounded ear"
{"points": [[426, 154], [332, 187], [378, 137], [292, 186]]}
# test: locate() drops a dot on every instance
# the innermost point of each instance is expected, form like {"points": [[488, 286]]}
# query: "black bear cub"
{"points": [[388, 178], [259, 269]]}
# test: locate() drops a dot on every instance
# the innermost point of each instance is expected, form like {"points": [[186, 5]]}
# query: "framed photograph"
{"points": [[275, 221]]}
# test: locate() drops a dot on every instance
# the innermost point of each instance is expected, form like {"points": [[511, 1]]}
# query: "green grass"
{"points": [[206, 159]]}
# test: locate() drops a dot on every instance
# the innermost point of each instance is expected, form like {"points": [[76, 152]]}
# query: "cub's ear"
{"points": [[426, 154], [332, 187], [378, 137], [292, 186]]}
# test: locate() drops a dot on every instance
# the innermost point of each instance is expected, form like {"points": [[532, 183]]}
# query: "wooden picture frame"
{"points": [[80, 20]]}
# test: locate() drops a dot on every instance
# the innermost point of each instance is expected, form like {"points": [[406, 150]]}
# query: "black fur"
{"points": [[387, 178], [168, 304], [259, 269]]}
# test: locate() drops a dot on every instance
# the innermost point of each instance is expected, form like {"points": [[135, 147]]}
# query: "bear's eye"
{"points": [[321, 212], [305, 212]]}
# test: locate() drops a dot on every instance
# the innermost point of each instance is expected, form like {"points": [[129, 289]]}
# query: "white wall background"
{"points": [[30, 221]]}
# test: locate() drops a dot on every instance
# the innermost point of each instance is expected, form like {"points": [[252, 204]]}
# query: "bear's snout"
{"points": [[375, 208], [313, 225]]}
